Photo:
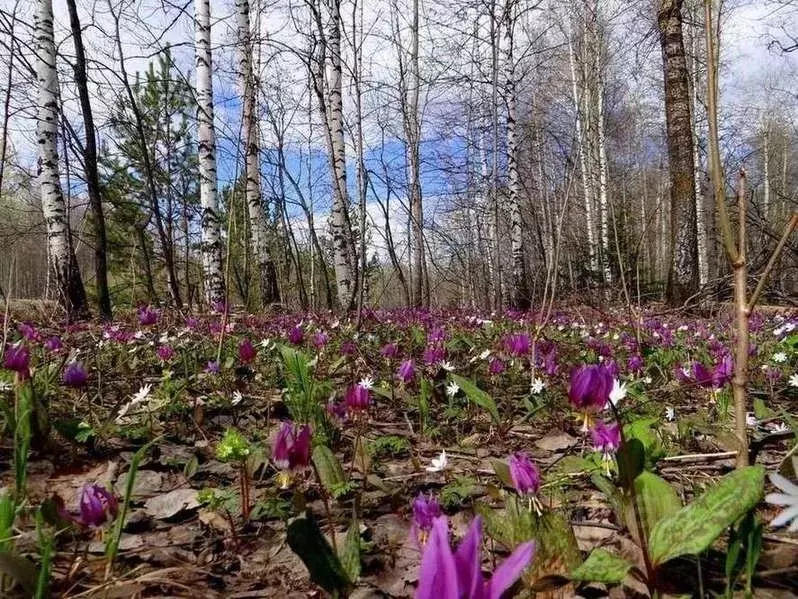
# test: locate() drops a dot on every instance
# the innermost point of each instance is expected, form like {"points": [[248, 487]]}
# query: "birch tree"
{"points": [[519, 293], [683, 276], [63, 262], [267, 272], [211, 245]]}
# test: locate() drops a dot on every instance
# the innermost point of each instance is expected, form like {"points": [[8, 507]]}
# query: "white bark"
{"points": [[765, 170], [581, 143], [700, 211], [519, 294], [602, 156], [249, 132], [61, 253], [211, 246]]}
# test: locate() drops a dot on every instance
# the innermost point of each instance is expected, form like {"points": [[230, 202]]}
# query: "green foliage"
{"points": [[22, 437], [644, 430], [745, 546], [271, 508], [692, 529], [656, 500], [477, 396], [602, 566], [350, 552], [233, 447], [46, 543], [307, 541], [389, 445], [631, 458], [329, 469], [456, 493]]}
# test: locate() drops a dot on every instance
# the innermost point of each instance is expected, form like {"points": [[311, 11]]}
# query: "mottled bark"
{"points": [[519, 294], [211, 245], [683, 276], [64, 265]]}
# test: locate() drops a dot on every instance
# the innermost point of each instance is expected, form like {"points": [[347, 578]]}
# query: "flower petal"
{"points": [[785, 516], [783, 484], [511, 569], [781, 499], [438, 574], [467, 558]]}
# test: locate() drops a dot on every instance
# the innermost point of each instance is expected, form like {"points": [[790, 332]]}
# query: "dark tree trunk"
{"points": [[683, 279], [90, 168]]}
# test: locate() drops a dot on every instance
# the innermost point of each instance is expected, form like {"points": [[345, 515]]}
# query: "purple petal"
{"points": [[467, 558], [511, 569], [438, 574]]}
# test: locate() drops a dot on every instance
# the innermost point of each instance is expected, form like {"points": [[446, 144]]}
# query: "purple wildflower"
{"points": [[406, 371], [525, 474], [165, 353], [425, 511], [518, 345], [296, 335], [590, 388], [389, 351], [17, 358], [320, 339], [147, 316], [53, 344], [75, 375], [496, 366], [246, 351]]}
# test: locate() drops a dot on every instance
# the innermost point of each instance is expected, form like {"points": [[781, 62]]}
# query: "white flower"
{"points": [[793, 380], [452, 389], [141, 395], [266, 343], [648, 380], [537, 386], [439, 463], [670, 414], [779, 357], [367, 383], [484, 355], [780, 428], [789, 498], [447, 366], [138, 335], [237, 398], [5, 386], [750, 419], [618, 391]]}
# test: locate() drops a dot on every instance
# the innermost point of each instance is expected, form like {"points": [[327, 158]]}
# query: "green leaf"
{"points": [[656, 500], [329, 468], [502, 470], [306, 540], [477, 396], [692, 529], [20, 569], [761, 411], [607, 487], [350, 552], [602, 566], [631, 459]]}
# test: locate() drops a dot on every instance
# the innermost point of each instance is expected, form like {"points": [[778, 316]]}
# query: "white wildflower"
{"points": [[779, 357], [138, 335], [750, 420], [789, 498], [793, 380], [452, 389], [648, 380], [367, 383], [618, 391], [537, 386], [484, 355], [670, 413], [237, 398], [439, 464], [447, 366]]}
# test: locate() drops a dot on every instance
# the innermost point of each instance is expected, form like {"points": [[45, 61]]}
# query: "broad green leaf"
{"points": [[350, 552], [502, 470], [644, 431], [478, 396], [602, 566], [607, 487], [631, 459], [656, 500], [329, 468], [692, 529], [306, 540], [761, 411]]}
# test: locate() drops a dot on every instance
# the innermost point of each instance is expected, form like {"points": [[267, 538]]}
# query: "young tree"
{"points": [[211, 247], [683, 277], [72, 295], [269, 292]]}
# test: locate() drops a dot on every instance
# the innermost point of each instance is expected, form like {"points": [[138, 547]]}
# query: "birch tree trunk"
{"points": [[519, 292], [211, 245], [683, 276], [267, 273], [765, 169], [71, 293]]}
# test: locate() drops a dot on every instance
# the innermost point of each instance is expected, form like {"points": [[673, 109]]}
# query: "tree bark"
{"points": [[71, 292], [211, 245], [269, 292], [683, 273]]}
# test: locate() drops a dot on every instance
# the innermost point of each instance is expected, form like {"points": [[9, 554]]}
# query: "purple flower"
{"points": [[525, 474], [434, 354], [723, 371], [606, 438], [458, 575], [296, 335], [28, 331], [147, 316], [702, 375], [406, 371], [337, 409], [348, 348], [495, 366], [590, 388], [291, 448], [97, 507], [634, 363], [75, 375], [219, 306], [425, 510], [389, 351], [436, 335], [357, 398], [17, 358], [246, 351], [165, 353], [53, 344], [320, 339], [192, 323], [213, 367], [517, 345]]}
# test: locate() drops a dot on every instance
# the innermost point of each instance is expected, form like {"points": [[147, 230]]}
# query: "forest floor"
{"points": [[482, 388]]}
